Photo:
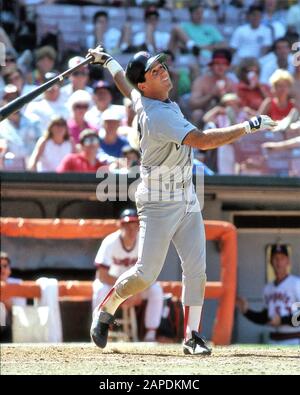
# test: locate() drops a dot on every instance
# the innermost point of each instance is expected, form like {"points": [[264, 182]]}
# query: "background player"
{"points": [[167, 203], [279, 297], [119, 252]]}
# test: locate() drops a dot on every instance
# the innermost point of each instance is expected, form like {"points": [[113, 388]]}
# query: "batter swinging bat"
{"points": [[19, 102]]}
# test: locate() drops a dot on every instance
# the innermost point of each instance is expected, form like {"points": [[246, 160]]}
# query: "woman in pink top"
{"points": [[79, 102]]}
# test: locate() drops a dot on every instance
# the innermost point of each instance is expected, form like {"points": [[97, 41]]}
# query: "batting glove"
{"points": [[259, 122], [105, 60]]}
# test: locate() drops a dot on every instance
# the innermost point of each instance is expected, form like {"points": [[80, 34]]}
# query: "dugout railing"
{"points": [[223, 290]]}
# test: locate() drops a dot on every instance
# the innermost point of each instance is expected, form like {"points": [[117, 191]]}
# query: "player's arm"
{"points": [[213, 138], [104, 277], [115, 69]]}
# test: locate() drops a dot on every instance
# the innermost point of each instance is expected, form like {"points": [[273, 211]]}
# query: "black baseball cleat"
{"points": [[196, 345], [100, 326]]}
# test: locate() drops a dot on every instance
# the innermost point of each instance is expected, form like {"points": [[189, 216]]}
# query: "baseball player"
{"points": [[167, 204], [119, 252], [280, 301]]}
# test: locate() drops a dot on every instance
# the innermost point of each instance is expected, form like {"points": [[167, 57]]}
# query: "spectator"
{"points": [[103, 100], [111, 143], [19, 132], [280, 105], [208, 89], [274, 19], [78, 79], [228, 113], [196, 36], [15, 76], [109, 37], [130, 158], [296, 87], [293, 18], [252, 39], [50, 106], [182, 78], [250, 91], [45, 58], [117, 253], [6, 305], [85, 161], [279, 300], [51, 148], [78, 103], [150, 39], [279, 58]]}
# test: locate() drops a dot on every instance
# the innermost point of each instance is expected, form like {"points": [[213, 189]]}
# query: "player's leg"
{"points": [[153, 313], [100, 290], [189, 242], [158, 223]]}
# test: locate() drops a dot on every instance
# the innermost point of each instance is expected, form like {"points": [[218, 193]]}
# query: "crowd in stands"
{"points": [[228, 60]]}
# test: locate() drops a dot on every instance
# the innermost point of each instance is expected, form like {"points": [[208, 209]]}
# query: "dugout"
{"points": [[264, 210]]}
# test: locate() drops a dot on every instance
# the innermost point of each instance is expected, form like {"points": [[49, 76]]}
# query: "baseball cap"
{"points": [[79, 96], [110, 114], [75, 61], [87, 133], [10, 92], [140, 63], [279, 249], [101, 85], [129, 215]]}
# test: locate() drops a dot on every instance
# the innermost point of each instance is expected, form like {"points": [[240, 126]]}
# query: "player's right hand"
{"points": [[260, 122], [100, 57]]}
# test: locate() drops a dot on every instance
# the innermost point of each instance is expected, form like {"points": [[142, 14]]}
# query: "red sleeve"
{"points": [[66, 165]]}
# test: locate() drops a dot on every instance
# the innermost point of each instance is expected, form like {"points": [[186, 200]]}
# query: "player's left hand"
{"points": [[275, 321], [260, 122], [100, 57]]}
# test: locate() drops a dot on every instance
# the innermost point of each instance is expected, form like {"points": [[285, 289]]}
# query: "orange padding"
{"points": [[222, 231], [82, 290]]}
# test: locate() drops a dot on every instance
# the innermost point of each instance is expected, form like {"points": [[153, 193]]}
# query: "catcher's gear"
{"points": [[259, 122], [139, 64]]}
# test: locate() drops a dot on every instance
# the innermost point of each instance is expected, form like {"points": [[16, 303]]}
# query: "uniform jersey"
{"points": [[115, 256], [165, 163], [279, 299]]}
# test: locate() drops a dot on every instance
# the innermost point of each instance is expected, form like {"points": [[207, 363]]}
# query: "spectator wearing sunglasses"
{"points": [[78, 104], [78, 80], [84, 161]]}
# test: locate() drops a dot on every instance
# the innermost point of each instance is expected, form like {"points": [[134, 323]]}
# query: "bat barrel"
{"points": [[19, 102]]}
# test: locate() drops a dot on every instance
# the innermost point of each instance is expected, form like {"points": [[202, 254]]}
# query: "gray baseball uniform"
{"points": [[167, 204]]}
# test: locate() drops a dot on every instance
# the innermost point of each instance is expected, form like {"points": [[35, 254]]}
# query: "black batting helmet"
{"points": [[129, 215], [139, 64]]}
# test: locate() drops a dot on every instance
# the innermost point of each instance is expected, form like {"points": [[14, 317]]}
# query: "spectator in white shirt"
{"points": [[252, 39], [151, 39], [280, 58], [19, 132], [293, 18], [51, 148], [51, 105], [109, 37], [78, 79]]}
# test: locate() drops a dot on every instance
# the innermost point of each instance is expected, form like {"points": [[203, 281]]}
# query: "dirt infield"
{"points": [[145, 358]]}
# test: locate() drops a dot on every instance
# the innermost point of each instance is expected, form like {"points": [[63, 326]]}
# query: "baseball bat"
{"points": [[19, 102]]}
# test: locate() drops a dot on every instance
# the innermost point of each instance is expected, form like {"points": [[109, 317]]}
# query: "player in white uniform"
{"points": [[167, 204], [281, 301], [119, 252]]}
